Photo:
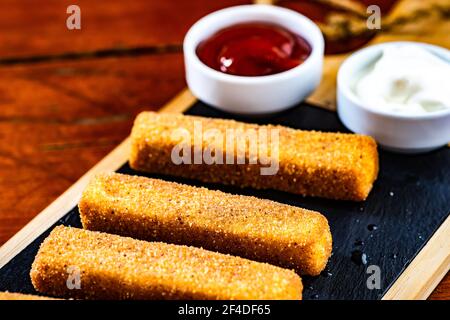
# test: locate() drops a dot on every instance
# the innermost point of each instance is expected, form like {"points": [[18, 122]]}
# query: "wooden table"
{"points": [[69, 97]]}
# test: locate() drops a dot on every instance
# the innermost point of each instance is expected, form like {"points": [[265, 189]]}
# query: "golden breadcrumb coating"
{"points": [[114, 267], [330, 165], [21, 296], [257, 229]]}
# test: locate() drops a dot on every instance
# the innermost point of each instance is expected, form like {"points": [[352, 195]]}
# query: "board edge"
{"points": [[433, 259]]}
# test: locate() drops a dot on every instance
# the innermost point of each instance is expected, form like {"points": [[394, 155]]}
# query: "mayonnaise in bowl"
{"points": [[398, 93], [406, 79]]}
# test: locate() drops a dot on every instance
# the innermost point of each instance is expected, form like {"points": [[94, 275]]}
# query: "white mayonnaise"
{"points": [[406, 79]]}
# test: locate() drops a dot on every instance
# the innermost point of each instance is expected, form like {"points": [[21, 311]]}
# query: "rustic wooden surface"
{"points": [[69, 97]]}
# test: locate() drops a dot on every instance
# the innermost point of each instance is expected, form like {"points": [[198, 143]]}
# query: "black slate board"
{"points": [[409, 202]]}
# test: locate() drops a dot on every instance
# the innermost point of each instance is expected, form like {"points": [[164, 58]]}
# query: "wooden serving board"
{"points": [[409, 207]]}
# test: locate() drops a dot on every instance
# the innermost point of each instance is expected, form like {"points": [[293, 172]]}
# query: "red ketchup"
{"points": [[253, 49]]}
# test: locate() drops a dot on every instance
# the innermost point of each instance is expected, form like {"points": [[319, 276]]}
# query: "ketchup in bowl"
{"points": [[253, 49]]}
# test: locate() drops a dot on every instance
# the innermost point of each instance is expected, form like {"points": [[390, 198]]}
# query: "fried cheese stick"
{"points": [[257, 229], [114, 267], [21, 296], [330, 165]]}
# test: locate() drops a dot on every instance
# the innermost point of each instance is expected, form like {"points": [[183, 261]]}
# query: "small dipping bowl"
{"points": [[253, 95], [397, 132]]}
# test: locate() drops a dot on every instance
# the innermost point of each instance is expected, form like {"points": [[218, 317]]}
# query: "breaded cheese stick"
{"points": [[114, 267], [21, 296], [330, 165], [257, 229]]}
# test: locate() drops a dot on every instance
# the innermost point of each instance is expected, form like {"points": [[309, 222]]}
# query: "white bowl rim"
{"points": [[345, 87], [190, 49]]}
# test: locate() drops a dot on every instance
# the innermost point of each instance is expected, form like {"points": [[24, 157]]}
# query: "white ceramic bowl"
{"points": [[253, 95], [396, 132]]}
